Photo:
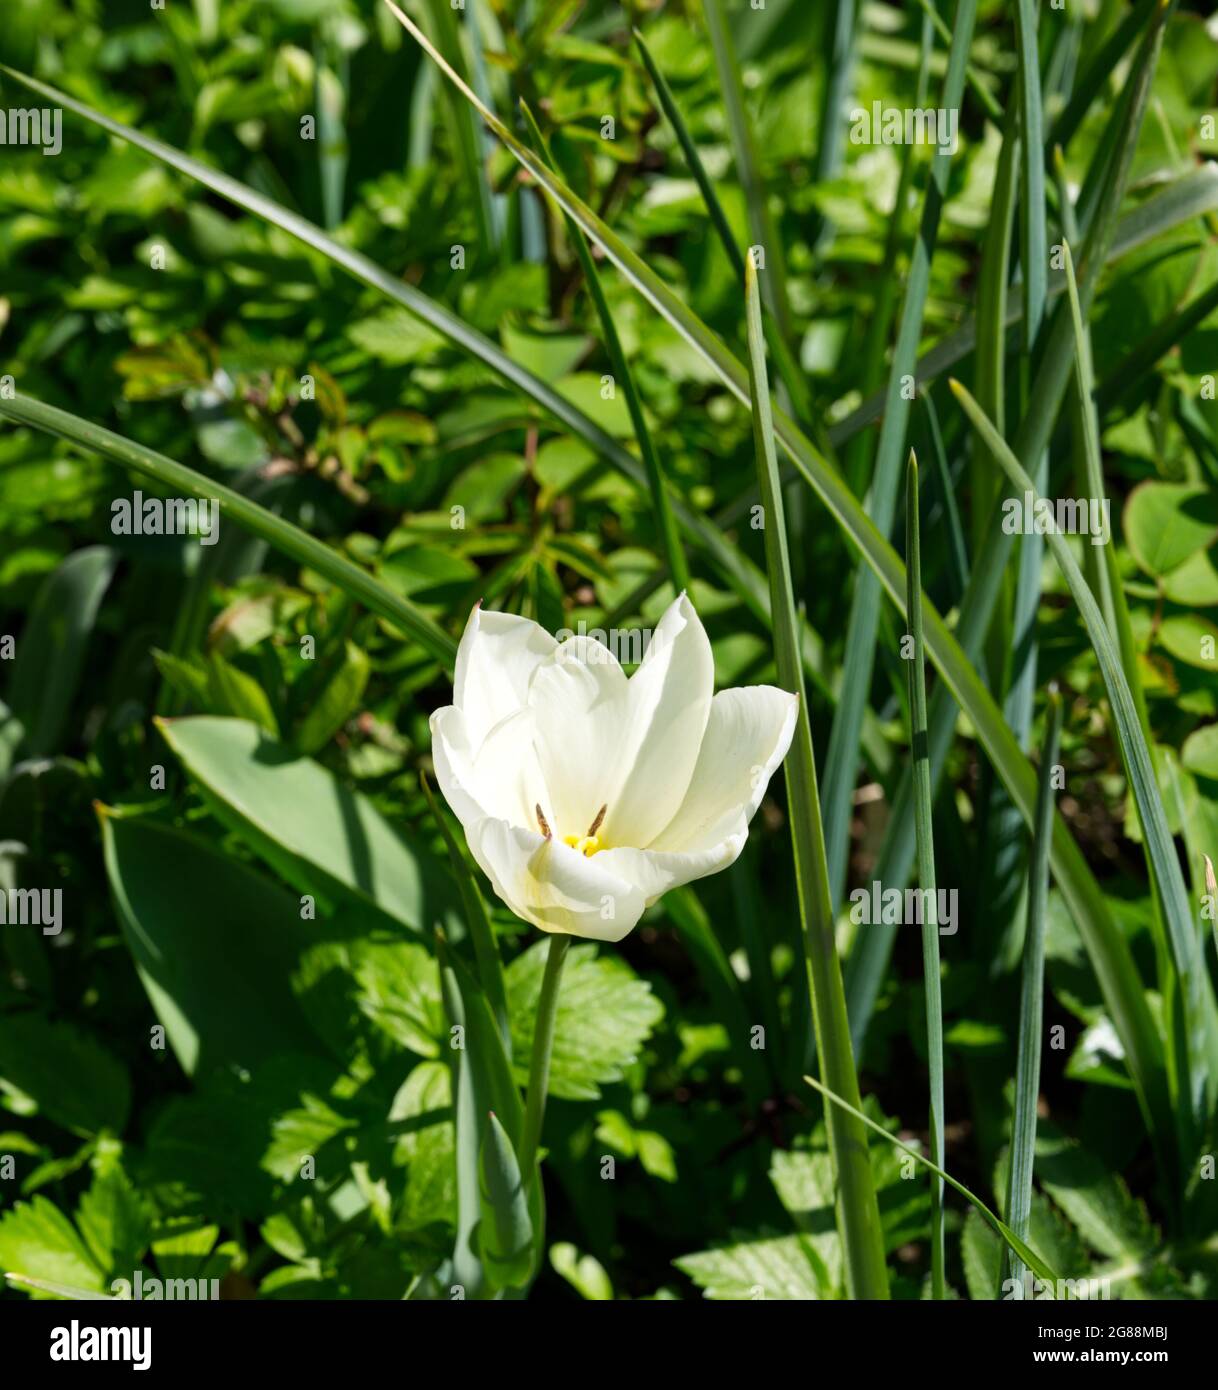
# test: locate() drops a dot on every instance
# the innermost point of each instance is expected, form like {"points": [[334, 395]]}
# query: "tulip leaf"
{"points": [[216, 964], [482, 1083], [505, 1235], [605, 1014], [320, 836], [51, 652]]}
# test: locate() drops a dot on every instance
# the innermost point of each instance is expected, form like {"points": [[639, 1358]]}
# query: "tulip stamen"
{"points": [[596, 824], [541, 821]]}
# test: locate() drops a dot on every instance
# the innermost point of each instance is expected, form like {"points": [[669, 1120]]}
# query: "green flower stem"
{"points": [[539, 1062]]}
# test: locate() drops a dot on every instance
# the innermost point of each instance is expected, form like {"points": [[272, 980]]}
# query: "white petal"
{"points": [[495, 662], [747, 736], [551, 885], [669, 702], [654, 872], [578, 699], [453, 759], [499, 778]]}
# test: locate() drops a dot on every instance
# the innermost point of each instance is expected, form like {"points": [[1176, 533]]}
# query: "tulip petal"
{"points": [[500, 778], [668, 705], [654, 872], [747, 736], [498, 655], [578, 699], [551, 885]]}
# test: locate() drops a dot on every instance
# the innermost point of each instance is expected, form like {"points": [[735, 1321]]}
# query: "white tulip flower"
{"points": [[586, 795]]}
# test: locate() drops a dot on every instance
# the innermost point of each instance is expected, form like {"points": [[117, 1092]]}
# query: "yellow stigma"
{"points": [[587, 845]]}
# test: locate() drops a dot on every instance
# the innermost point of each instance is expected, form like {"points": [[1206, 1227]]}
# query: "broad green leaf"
{"points": [[1165, 523], [422, 1111], [74, 1079], [803, 1180], [51, 647], [752, 1270], [1200, 751], [981, 1253], [1099, 1203], [214, 942], [115, 1222], [605, 1014], [1192, 639], [322, 837], [1194, 583], [38, 1240], [584, 1273], [399, 990]]}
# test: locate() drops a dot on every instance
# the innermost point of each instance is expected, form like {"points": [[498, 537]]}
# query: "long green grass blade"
{"points": [[788, 367], [1034, 258], [1024, 1251], [957, 551], [888, 281], [282, 535], [842, 756], [989, 367], [919, 755], [665, 520], [744, 150], [1194, 194], [1031, 1005], [862, 1238], [1111, 590], [830, 134], [1108, 950], [1140, 771], [985, 583], [977, 83], [1129, 371], [466, 135], [1104, 62]]}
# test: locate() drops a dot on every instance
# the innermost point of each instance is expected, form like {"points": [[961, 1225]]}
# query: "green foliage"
{"points": [[428, 356]]}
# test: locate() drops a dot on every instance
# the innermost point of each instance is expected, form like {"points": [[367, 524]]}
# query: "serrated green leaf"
{"points": [[761, 1269], [605, 1014], [38, 1240]]}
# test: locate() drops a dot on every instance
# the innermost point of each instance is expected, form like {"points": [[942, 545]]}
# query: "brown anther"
{"points": [[541, 821], [596, 824]]}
